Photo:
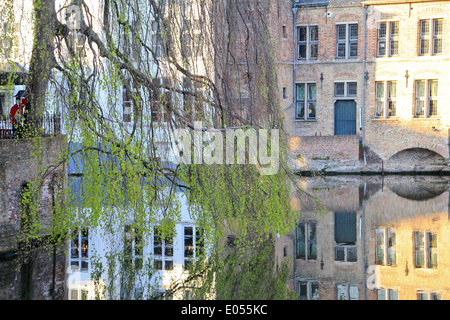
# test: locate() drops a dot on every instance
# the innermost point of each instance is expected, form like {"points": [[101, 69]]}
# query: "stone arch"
{"points": [[439, 149]]}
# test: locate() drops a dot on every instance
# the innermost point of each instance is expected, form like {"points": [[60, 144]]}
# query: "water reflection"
{"points": [[358, 237], [380, 238]]}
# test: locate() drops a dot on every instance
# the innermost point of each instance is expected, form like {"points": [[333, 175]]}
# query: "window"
{"points": [[306, 241], [284, 93], [347, 292], [193, 244], [79, 249], [161, 104], [308, 42], [308, 290], [345, 89], [347, 41], [284, 32], [419, 254], [379, 246], [426, 98], [430, 36], [345, 236], [385, 99], [133, 246], [162, 250], [387, 39], [391, 247], [422, 295], [387, 294], [306, 101]]}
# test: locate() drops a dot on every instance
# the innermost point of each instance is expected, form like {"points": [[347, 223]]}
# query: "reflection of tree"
{"points": [[196, 69]]}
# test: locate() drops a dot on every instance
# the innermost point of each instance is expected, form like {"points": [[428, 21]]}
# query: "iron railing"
{"points": [[49, 124]]}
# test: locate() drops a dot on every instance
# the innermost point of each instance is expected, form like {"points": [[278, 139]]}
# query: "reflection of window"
{"points": [[78, 294], [133, 246], [385, 247], [387, 294], [426, 92], [127, 102], [308, 42], [425, 249], [156, 39], [430, 36], [347, 41], [308, 290], [345, 236], [306, 101], [422, 295], [193, 244], [161, 100], [306, 241], [162, 250], [347, 291], [385, 99], [79, 249]]}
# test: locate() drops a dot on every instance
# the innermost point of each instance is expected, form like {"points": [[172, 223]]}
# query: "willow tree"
{"points": [[126, 75]]}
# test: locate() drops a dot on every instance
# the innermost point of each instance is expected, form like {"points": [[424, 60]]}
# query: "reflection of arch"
{"points": [[439, 149], [418, 189]]}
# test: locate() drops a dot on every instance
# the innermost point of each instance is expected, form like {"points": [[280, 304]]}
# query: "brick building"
{"points": [[369, 72]]}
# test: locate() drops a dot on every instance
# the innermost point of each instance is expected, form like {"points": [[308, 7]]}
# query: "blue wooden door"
{"points": [[345, 117]]}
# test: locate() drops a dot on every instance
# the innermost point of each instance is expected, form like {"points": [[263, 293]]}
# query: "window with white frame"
{"points": [[193, 244], [308, 42], [162, 250], [385, 99], [345, 236], [306, 240], [385, 247], [347, 41], [305, 107], [345, 89], [347, 291], [430, 36], [426, 98], [308, 289], [388, 39], [79, 249], [133, 246]]}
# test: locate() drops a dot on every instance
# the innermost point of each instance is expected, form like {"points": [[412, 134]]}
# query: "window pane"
{"points": [[353, 31], [393, 294], [433, 88], [301, 91], [339, 89], [339, 253], [392, 89], [353, 49], [300, 112], [341, 32], [303, 290], [314, 50], [301, 241], [394, 29], [353, 290], [379, 246], [341, 50], [437, 27], [311, 91], [341, 292], [351, 254], [381, 48], [302, 51], [437, 46], [314, 33], [314, 291], [351, 88], [424, 27], [381, 294], [394, 47], [302, 33], [382, 30], [420, 89], [392, 109]]}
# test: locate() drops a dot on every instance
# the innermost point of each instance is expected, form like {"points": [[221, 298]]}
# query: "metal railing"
{"points": [[49, 124]]}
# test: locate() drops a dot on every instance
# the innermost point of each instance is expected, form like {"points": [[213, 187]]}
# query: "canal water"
{"points": [[357, 238]]}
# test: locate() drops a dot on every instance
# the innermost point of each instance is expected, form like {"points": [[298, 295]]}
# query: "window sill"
{"points": [[429, 119], [386, 119], [346, 60], [303, 120]]}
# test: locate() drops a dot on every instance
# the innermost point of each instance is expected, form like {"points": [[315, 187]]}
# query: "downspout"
{"points": [[364, 86], [294, 12], [363, 245]]}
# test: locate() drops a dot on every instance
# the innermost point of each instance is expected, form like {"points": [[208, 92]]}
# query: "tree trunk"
{"points": [[41, 63]]}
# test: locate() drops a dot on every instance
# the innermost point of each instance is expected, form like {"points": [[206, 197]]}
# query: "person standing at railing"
{"points": [[17, 116]]}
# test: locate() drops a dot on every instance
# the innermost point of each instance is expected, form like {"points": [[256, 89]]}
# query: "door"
{"points": [[345, 117]]}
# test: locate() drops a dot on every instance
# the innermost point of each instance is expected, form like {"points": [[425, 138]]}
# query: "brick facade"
{"points": [[382, 137]]}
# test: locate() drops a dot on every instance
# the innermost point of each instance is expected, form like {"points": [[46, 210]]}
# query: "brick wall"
{"points": [[17, 166], [325, 147]]}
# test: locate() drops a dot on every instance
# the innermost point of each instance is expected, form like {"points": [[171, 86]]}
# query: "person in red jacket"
{"points": [[17, 116]]}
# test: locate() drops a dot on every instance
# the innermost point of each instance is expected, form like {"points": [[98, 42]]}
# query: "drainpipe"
{"points": [[294, 13], [364, 85], [363, 245]]}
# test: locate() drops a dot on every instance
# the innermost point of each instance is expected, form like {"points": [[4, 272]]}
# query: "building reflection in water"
{"points": [[380, 238]]}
